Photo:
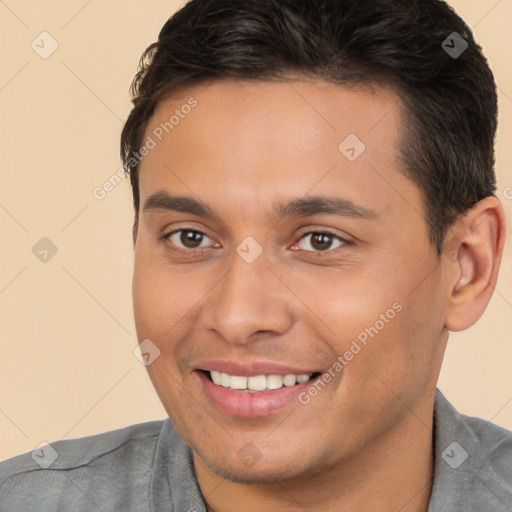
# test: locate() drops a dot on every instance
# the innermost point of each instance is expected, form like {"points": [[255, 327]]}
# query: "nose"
{"points": [[249, 299]]}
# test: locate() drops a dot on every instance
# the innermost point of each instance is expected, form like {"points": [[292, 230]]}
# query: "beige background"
{"points": [[67, 367]]}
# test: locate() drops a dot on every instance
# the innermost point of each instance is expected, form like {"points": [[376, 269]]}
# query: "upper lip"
{"points": [[254, 368]]}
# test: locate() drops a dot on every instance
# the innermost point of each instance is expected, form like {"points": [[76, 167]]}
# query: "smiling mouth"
{"points": [[256, 383]]}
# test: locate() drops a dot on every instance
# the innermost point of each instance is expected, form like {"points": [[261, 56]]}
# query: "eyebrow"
{"points": [[301, 207]]}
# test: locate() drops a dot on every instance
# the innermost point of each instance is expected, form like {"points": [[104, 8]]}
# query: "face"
{"points": [[273, 247]]}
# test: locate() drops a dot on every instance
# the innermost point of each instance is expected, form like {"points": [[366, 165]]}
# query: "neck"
{"points": [[393, 472]]}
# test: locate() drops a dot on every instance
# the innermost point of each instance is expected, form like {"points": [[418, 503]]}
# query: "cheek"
{"points": [[386, 335], [398, 360], [161, 296], [146, 302], [342, 305], [154, 299], [157, 318], [166, 305]]}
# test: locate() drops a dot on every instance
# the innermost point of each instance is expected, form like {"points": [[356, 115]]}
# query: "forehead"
{"points": [[248, 141], [296, 110]]}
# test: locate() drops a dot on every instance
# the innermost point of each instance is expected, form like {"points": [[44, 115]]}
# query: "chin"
{"points": [[241, 474], [257, 471]]}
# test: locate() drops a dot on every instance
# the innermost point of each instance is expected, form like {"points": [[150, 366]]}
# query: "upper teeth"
{"points": [[258, 382]]}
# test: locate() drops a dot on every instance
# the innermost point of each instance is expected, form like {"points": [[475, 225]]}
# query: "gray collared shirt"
{"points": [[148, 467]]}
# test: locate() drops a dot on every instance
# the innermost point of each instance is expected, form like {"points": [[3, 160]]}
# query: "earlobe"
{"points": [[474, 253]]}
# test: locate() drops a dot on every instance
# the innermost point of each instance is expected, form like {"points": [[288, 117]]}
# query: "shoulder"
{"points": [[492, 447], [473, 462], [91, 468]]}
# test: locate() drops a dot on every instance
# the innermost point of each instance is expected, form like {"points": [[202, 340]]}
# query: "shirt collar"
{"points": [[174, 486], [457, 450]]}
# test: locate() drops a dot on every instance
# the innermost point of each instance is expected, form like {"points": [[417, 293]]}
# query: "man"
{"points": [[314, 212]]}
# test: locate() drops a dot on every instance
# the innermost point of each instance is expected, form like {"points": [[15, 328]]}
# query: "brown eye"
{"points": [[187, 238], [320, 241]]}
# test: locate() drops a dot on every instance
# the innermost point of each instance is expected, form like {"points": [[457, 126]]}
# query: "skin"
{"points": [[364, 442]]}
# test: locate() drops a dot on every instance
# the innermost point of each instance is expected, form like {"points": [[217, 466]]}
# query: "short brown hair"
{"points": [[449, 102]]}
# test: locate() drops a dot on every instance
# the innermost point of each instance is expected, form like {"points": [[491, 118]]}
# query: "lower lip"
{"points": [[251, 405]]}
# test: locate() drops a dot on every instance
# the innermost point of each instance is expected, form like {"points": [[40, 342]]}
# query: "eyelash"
{"points": [[182, 250]]}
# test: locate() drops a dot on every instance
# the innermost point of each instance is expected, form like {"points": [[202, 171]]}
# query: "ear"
{"points": [[473, 248]]}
